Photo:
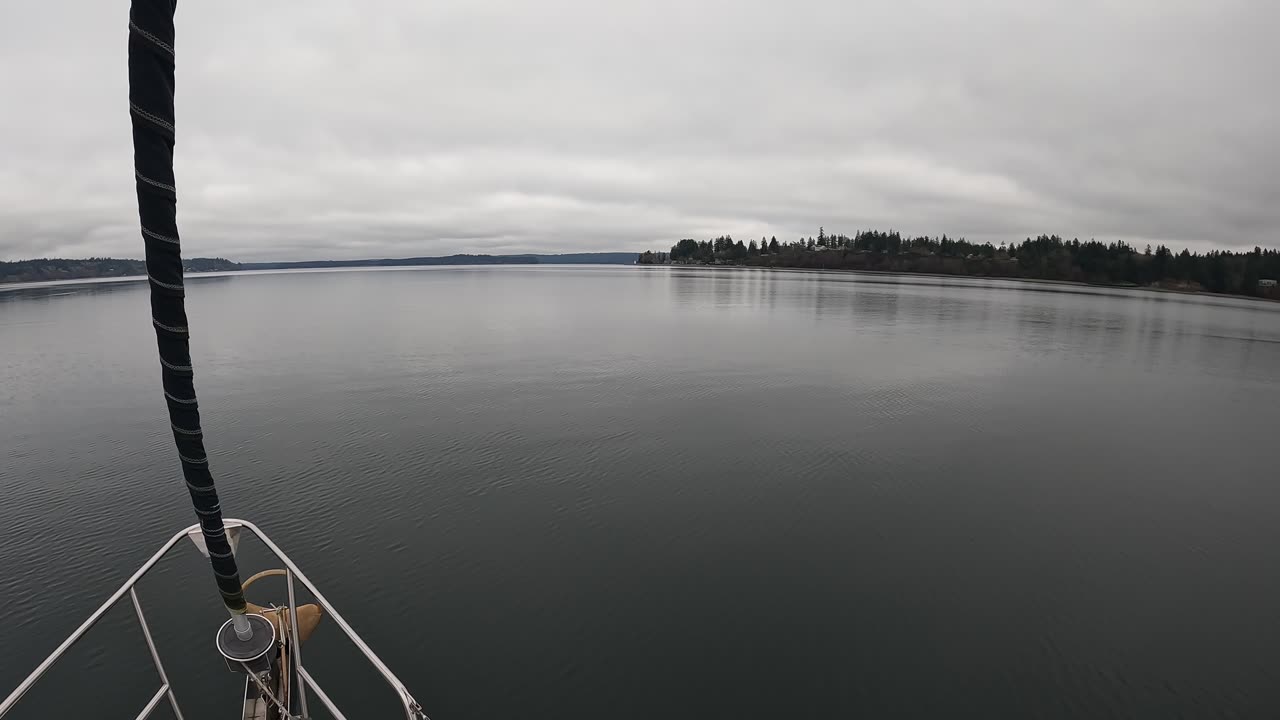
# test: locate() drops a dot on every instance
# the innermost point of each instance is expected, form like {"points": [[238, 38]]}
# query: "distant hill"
{"points": [[73, 269], [595, 258], [397, 262], [599, 258]]}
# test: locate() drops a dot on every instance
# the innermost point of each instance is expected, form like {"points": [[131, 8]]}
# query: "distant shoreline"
{"points": [[945, 276], [65, 269], [8, 287], [1252, 274]]}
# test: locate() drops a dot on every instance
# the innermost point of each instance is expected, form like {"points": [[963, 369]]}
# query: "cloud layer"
{"points": [[343, 129]]}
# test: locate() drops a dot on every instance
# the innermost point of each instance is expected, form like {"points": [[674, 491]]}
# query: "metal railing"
{"points": [[412, 710]]}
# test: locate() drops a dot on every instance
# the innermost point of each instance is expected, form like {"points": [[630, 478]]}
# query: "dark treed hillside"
{"points": [[1047, 257], [69, 269]]}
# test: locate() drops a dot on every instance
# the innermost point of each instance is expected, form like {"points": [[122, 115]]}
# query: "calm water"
{"points": [[638, 493]]}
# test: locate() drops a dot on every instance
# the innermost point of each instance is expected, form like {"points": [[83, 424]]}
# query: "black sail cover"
{"points": [[151, 87]]}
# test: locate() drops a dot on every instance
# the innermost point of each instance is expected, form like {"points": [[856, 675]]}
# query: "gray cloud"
{"points": [[334, 128]]}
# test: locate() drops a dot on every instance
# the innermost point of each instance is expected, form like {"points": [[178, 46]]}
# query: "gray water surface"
{"points": [[574, 492]]}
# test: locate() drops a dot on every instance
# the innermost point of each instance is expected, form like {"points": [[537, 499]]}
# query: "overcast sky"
{"points": [[374, 128]]}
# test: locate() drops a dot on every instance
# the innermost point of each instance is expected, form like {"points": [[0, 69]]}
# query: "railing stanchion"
{"points": [[295, 644], [320, 693], [155, 654]]}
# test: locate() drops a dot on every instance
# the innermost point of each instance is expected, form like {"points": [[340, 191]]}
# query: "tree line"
{"points": [[1046, 257]]}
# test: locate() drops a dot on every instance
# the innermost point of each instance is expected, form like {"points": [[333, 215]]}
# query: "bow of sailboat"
{"points": [[304, 682]]}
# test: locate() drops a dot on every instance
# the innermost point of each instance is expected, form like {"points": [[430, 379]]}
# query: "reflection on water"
{"points": [[575, 492]]}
